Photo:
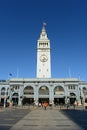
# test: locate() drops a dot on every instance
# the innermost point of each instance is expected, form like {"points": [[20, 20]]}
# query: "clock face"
{"points": [[43, 58]]}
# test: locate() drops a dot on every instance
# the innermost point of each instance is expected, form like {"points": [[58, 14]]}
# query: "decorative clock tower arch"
{"points": [[43, 55]]}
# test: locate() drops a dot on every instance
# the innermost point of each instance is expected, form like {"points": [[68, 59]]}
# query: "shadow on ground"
{"points": [[78, 116]]}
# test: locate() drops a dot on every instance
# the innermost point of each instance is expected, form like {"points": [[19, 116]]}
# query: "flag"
{"points": [[10, 74], [44, 24]]}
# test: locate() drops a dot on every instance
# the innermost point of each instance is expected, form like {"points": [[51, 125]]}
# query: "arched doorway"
{"points": [[85, 93], [72, 97], [59, 95], [43, 94], [28, 95], [3, 94], [15, 98]]}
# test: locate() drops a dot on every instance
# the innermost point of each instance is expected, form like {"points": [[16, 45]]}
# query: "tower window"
{"points": [[39, 70], [39, 44]]}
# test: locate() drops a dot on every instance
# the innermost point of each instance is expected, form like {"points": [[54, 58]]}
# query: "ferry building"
{"points": [[43, 87]]}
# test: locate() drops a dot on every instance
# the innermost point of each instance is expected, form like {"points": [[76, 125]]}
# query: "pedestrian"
{"points": [[50, 105], [85, 105], [68, 105], [11, 104], [45, 104], [42, 104], [75, 104]]}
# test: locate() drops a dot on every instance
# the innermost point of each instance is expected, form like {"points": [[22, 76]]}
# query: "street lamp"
{"points": [[5, 99]]}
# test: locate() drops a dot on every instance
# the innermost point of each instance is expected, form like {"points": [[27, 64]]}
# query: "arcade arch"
{"points": [[28, 90], [43, 90], [59, 95], [3, 91], [28, 95], [58, 90], [15, 98], [43, 93], [84, 91], [72, 97]]}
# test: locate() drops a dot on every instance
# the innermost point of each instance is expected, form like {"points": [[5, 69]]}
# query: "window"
{"points": [[71, 86]]}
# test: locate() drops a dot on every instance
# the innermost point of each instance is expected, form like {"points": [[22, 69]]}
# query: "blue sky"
{"points": [[20, 26]]}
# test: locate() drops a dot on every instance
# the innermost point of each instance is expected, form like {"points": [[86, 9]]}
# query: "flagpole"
{"points": [[69, 72], [10, 75], [5, 98], [79, 76], [17, 72]]}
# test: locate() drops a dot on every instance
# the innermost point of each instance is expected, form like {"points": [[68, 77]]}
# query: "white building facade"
{"points": [[43, 87]]}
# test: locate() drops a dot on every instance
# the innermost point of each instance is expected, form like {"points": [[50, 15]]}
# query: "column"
{"points": [[36, 93], [51, 96]]}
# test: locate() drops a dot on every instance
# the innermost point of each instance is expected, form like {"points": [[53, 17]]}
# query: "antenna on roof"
{"points": [[17, 72], [69, 72], [44, 24]]}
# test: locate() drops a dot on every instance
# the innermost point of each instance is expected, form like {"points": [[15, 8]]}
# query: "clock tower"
{"points": [[43, 55]]}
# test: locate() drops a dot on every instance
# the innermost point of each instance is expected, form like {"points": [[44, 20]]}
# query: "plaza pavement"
{"points": [[10, 116], [53, 119]]}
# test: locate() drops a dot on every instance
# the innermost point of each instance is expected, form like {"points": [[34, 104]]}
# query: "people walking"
{"points": [[68, 105], [85, 105], [45, 104], [75, 104]]}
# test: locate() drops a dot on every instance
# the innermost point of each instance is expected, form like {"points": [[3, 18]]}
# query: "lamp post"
{"points": [[10, 88], [5, 100]]}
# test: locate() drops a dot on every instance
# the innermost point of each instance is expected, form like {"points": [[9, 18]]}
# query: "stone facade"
{"points": [[56, 91]]}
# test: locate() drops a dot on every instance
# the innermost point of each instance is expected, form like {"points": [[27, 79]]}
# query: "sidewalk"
{"points": [[50, 119]]}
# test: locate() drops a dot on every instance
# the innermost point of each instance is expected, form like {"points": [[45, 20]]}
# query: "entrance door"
{"points": [[72, 100], [27, 101], [15, 101], [41, 100], [58, 101]]}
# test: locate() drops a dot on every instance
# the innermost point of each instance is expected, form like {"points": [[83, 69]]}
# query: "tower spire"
{"points": [[43, 34], [44, 24]]}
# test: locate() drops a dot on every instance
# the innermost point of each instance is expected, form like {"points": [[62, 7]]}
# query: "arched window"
{"points": [[72, 95], [85, 90], [15, 95], [43, 90], [3, 91], [58, 90], [29, 90]]}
